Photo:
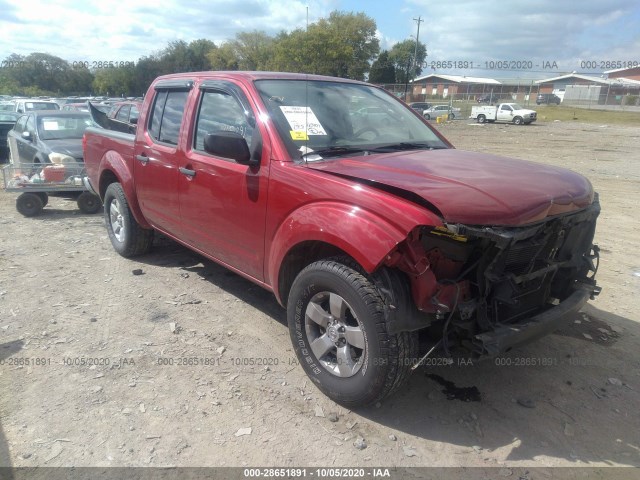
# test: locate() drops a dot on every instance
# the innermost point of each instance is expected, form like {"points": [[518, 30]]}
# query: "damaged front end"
{"points": [[494, 288]]}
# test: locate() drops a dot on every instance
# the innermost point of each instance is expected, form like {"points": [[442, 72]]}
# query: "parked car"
{"points": [[103, 107], [75, 107], [121, 117], [548, 98], [7, 106], [368, 236], [7, 121], [440, 110], [23, 106], [490, 98], [420, 106], [48, 137]]}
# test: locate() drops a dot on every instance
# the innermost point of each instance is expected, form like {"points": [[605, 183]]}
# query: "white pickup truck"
{"points": [[504, 112]]}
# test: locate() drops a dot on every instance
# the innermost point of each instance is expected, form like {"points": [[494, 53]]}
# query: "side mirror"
{"points": [[228, 145], [27, 136]]}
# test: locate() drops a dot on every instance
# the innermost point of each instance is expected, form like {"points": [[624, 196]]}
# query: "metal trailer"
{"points": [[35, 181]]}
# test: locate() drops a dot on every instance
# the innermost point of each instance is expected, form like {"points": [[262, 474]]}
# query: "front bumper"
{"points": [[504, 338]]}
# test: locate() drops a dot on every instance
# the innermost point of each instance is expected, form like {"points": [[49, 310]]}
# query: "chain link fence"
{"points": [[604, 97]]}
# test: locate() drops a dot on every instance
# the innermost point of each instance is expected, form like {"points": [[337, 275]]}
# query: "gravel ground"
{"points": [[170, 360]]}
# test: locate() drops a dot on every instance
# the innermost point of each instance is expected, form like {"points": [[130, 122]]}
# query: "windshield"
{"points": [[515, 106], [56, 128], [321, 119]]}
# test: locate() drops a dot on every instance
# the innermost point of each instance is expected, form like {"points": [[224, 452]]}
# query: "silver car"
{"points": [[440, 110]]}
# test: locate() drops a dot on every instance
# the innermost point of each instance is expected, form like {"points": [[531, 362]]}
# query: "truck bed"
{"points": [[99, 142]]}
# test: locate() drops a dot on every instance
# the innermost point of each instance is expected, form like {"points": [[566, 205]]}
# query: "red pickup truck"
{"points": [[366, 224]]}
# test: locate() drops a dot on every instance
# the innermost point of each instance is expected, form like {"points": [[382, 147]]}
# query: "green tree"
{"points": [[116, 81], [382, 70], [42, 73], [342, 45], [253, 50], [223, 58], [401, 55]]}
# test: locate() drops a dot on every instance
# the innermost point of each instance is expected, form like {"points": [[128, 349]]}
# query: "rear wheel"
{"points": [[338, 327], [89, 203], [482, 119], [29, 204], [127, 236]]}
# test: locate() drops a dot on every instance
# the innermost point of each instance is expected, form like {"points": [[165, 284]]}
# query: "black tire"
{"points": [[482, 119], [29, 204], [427, 116], [89, 203], [44, 197], [127, 236], [518, 121], [452, 116], [367, 374]]}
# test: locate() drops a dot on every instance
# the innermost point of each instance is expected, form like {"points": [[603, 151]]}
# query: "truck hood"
{"points": [[468, 187]]}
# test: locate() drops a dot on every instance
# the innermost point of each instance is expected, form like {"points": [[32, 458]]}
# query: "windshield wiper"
{"points": [[334, 151], [407, 146]]}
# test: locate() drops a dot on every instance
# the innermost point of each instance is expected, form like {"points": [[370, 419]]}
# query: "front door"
{"points": [[223, 203], [505, 114]]}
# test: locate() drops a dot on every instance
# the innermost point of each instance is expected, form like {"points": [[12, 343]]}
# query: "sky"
{"points": [[491, 34]]}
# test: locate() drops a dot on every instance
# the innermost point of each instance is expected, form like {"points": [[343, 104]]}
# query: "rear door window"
{"points": [[166, 115]]}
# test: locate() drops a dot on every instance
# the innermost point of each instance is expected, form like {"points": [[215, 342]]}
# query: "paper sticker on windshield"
{"points": [[50, 125], [299, 135], [302, 119]]}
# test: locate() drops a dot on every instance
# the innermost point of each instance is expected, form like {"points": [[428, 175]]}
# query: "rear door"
{"points": [[157, 156], [223, 203]]}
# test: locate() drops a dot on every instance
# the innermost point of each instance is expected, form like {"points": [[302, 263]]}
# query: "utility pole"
{"points": [[418, 20]]}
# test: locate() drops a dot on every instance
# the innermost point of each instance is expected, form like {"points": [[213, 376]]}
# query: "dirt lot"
{"points": [[192, 365]]}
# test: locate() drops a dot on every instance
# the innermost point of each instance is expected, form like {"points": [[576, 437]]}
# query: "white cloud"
{"points": [[96, 30]]}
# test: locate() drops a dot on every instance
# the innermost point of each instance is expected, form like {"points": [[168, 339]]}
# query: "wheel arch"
{"points": [[314, 233], [114, 168]]}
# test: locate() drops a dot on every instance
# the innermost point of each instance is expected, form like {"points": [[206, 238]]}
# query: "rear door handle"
{"points": [[187, 172], [143, 159]]}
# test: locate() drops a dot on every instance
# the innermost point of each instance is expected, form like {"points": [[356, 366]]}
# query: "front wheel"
{"points": [[427, 116], [518, 121], [29, 204], [127, 236], [338, 327]]}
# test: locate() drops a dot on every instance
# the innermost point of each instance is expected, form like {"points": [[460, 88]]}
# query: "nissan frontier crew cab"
{"points": [[369, 229]]}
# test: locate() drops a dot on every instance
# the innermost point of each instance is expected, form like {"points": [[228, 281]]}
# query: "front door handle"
{"points": [[143, 159], [187, 172]]}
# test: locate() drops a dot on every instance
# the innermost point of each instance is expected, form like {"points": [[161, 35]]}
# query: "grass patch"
{"points": [[568, 114]]}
